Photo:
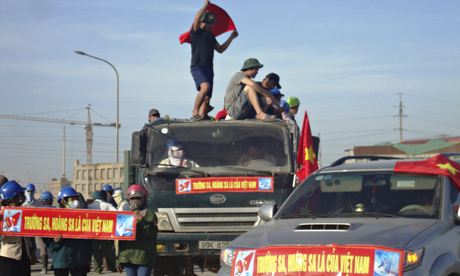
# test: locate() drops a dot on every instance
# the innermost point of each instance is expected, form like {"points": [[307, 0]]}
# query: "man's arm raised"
{"points": [[221, 48], [196, 21]]}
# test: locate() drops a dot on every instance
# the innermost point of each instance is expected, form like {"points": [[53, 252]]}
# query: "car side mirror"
{"points": [[267, 211], [456, 209]]}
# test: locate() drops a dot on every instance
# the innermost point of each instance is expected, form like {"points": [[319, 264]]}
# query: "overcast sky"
{"points": [[346, 61]]}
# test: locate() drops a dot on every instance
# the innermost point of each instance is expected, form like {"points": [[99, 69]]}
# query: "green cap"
{"points": [[293, 101], [208, 18], [251, 63]]}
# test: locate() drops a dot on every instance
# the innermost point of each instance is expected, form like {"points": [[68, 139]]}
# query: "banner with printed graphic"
{"points": [[70, 223], [224, 185], [318, 260]]}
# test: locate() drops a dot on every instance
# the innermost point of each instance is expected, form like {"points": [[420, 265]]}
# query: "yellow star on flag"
{"points": [[448, 166], [310, 154]]}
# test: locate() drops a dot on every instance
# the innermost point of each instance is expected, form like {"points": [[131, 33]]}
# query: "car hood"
{"points": [[389, 232]]}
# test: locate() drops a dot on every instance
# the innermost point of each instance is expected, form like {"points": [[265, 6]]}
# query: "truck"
{"points": [[241, 164]]}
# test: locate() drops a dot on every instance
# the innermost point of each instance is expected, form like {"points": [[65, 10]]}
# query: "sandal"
{"points": [[196, 118]]}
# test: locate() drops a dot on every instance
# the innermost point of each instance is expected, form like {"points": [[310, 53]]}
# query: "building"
{"points": [[88, 178], [56, 184], [420, 148]]}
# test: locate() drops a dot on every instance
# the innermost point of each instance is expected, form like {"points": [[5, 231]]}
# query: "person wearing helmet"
{"points": [[122, 203], [137, 257], [176, 156], [108, 190], [17, 254], [70, 255], [3, 180], [293, 103], [102, 248], [30, 197], [46, 201]]}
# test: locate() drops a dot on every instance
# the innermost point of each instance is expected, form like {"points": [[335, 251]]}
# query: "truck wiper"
{"points": [[366, 214], [159, 169], [266, 172]]}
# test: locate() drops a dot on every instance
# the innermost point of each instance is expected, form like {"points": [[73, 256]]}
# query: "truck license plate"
{"points": [[212, 244]]}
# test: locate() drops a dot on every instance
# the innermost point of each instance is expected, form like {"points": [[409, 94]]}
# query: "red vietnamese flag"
{"points": [[306, 156], [438, 164], [223, 23]]}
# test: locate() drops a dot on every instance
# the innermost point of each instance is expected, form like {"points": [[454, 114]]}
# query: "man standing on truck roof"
{"points": [[241, 97], [203, 45]]}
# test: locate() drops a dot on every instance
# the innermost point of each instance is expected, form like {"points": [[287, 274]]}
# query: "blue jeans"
{"points": [[137, 270]]}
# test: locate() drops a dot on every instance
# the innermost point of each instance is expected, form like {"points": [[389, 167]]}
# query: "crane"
{"points": [[88, 127]]}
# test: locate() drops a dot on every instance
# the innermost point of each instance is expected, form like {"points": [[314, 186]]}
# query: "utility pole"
{"points": [[89, 138], [401, 116], [64, 154]]}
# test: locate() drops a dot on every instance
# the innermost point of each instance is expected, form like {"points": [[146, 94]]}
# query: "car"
{"points": [[381, 217]]}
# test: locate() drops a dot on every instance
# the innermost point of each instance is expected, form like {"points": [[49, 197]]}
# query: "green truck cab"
{"points": [[241, 165]]}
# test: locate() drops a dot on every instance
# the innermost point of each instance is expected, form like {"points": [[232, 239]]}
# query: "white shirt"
{"points": [[101, 205]]}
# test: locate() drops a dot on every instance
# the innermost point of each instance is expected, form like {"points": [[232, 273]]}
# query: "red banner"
{"points": [[318, 260], [224, 185], [70, 223]]}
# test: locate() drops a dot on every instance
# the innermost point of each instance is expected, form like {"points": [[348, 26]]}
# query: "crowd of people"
{"points": [[74, 256]]}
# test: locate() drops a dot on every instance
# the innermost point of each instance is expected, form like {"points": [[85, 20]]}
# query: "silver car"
{"points": [[400, 223]]}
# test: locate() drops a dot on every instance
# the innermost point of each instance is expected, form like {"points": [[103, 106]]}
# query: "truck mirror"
{"points": [[139, 148], [267, 211]]}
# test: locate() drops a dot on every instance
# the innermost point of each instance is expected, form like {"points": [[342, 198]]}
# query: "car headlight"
{"points": [[412, 258], [227, 255], [163, 222]]}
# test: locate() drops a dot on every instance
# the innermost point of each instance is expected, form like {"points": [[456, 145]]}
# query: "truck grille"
{"points": [[212, 219]]}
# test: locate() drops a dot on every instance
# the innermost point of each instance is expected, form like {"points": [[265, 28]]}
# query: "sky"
{"points": [[347, 62]]}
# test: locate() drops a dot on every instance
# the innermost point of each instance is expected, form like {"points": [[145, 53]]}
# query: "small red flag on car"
{"points": [[307, 160], [223, 23], [438, 164]]}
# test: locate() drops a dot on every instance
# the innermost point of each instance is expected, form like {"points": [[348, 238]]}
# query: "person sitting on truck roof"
{"points": [[241, 96], [176, 156]]}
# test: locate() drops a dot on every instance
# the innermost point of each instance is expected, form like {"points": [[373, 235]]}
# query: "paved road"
{"points": [[37, 268]]}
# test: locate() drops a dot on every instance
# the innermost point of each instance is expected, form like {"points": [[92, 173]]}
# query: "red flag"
{"points": [[306, 156], [223, 23], [438, 165]]}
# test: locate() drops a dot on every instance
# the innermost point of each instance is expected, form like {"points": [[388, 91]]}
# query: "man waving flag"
{"points": [[307, 160], [224, 23]]}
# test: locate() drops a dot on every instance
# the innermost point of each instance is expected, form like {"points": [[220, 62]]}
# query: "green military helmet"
{"points": [[293, 101]]}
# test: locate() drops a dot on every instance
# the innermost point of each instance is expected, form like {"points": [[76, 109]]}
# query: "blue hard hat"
{"points": [[46, 195], [10, 189], [30, 187], [107, 188], [66, 191], [173, 143]]}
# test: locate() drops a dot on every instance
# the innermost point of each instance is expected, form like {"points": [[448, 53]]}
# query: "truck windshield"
{"points": [[353, 194], [253, 146]]}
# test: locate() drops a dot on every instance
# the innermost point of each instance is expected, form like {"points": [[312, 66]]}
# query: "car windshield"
{"points": [[365, 194], [251, 146]]}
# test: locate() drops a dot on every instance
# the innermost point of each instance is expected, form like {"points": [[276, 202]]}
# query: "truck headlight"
{"points": [[226, 256], [163, 222], [412, 258]]}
